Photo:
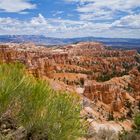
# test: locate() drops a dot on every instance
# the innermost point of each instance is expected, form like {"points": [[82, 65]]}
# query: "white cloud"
{"points": [[69, 28], [97, 18], [56, 13], [130, 21], [40, 20], [104, 9], [122, 5], [50, 27], [98, 15], [15, 5]]}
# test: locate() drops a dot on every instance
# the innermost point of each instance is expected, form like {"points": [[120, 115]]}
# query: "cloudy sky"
{"points": [[71, 18]]}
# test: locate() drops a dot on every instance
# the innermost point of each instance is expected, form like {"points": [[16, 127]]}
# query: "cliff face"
{"points": [[106, 93], [107, 79], [37, 62]]}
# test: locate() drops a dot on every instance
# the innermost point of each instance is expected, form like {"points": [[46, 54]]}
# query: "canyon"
{"points": [[106, 79]]}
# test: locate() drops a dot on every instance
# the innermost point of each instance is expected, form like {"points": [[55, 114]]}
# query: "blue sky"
{"points": [[71, 18]]}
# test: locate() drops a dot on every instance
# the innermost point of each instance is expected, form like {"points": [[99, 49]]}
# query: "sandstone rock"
{"points": [[78, 67]]}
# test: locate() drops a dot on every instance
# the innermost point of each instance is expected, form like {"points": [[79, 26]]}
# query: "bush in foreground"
{"points": [[44, 113]]}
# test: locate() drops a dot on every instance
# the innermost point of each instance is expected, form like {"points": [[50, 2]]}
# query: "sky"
{"points": [[71, 18]]}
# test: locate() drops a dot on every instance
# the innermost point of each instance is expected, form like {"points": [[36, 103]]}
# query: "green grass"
{"points": [[43, 112]]}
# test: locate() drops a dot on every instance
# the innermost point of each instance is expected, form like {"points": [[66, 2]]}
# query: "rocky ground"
{"points": [[106, 79]]}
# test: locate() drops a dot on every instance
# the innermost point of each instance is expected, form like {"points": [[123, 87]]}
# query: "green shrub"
{"points": [[137, 122], [66, 125], [43, 112], [11, 84]]}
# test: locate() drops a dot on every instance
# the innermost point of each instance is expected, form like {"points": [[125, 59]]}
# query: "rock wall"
{"points": [[107, 93]]}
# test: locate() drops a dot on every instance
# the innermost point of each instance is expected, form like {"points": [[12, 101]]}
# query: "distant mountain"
{"points": [[37, 39], [42, 40]]}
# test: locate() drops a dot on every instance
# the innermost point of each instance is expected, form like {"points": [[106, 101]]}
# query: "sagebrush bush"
{"points": [[11, 84], [66, 125], [137, 122], [43, 112]]}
